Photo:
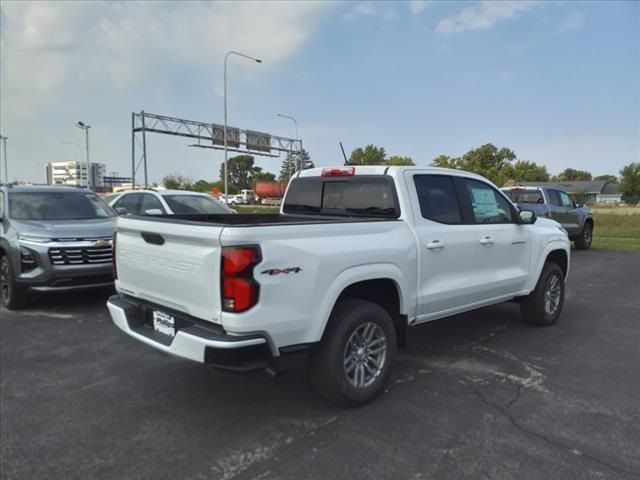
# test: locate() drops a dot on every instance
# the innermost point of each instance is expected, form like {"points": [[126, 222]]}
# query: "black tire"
{"points": [[12, 295], [329, 374], [584, 238], [540, 307]]}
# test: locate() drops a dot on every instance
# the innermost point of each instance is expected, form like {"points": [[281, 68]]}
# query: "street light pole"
{"points": [[86, 128], [226, 172], [299, 153], [6, 171]]}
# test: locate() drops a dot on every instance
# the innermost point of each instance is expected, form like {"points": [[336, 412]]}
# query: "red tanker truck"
{"points": [[270, 193]]}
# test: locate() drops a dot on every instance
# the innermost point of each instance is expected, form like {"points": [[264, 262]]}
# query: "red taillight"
{"points": [[113, 255], [239, 288], [339, 172]]}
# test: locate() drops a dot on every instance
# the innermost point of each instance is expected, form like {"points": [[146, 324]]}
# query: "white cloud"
{"points": [[572, 22], [483, 16], [103, 44], [361, 9], [417, 6]]}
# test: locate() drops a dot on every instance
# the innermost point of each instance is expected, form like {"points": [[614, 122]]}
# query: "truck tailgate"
{"points": [[176, 265]]}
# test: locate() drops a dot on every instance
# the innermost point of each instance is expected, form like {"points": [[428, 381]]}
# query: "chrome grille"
{"points": [[81, 254]]}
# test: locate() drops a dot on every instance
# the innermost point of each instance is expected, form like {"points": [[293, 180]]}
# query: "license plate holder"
{"points": [[164, 323]]}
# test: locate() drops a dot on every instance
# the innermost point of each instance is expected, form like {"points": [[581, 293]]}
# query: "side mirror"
{"points": [[527, 217], [153, 211], [121, 211]]}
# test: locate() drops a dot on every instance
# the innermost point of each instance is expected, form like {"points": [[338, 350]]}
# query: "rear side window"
{"points": [[487, 205], [524, 196], [437, 197], [370, 196]]}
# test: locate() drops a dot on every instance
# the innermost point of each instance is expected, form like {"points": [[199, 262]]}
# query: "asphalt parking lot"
{"points": [[480, 395]]}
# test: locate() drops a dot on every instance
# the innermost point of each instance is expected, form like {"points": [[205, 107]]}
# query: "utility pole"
{"points": [[6, 171], [226, 171], [299, 153]]}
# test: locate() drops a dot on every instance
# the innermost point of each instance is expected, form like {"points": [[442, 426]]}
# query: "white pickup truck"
{"points": [[356, 256]]}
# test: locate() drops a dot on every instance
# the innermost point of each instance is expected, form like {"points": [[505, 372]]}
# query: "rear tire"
{"points": [[353, 362], [12, 295], [543, 306], [583, 240]]}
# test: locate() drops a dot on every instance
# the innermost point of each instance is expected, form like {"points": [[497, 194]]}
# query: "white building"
{"points": [[74, 173]]}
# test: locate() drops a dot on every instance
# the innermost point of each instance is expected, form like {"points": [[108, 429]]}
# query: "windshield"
{"points": [[80, 205], [195, 204], [524, 196], [370, 196]]}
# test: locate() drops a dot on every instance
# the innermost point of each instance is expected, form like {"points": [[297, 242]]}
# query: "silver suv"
{"points": [[52, 239]]}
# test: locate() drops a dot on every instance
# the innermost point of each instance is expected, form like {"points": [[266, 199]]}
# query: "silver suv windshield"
{"points": [[180, 204], [57, 206]]}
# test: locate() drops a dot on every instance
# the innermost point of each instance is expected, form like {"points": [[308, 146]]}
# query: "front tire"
{"points": [[584, 239], [353, 362], [543, 306], [12, 295]]}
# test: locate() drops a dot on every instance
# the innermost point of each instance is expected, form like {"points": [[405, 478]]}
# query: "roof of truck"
{"points": [[387, 170]]}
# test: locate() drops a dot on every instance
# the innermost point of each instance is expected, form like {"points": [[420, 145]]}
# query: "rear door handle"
{"points": [[486, 241], [435, 245]]}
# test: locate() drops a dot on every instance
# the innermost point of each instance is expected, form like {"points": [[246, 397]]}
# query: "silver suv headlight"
{"points": [[34, 239]]}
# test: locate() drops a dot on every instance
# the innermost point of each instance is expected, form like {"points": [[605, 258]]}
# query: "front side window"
{"points": [[150, 202], [566, 200], [437, 197], [487, 205], [57, 206], [130, 202]]}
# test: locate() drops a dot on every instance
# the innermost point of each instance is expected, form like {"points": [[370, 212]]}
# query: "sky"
{"points": [[557, 82]]}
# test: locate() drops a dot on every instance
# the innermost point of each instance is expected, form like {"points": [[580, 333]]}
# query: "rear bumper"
{"points": [[194, 339]]}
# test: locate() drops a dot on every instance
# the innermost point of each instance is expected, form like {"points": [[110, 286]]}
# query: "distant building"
{"points": [[595, 191], [74, 173]]}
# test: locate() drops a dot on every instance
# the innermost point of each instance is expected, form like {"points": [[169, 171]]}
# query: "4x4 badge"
{"points": [[278, 271]]}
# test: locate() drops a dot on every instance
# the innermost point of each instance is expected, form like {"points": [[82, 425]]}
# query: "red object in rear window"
{"points": [[339, 172], [238, 287]]}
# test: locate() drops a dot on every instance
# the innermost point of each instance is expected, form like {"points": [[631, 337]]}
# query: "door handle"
{"points": [[486, 241], [434, 245]]}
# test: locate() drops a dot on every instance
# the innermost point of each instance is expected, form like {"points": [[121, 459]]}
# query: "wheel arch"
{"points": [[385, 286], [560, 258]]}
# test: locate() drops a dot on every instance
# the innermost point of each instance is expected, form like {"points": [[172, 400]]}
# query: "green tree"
{"points": [[370, 155], [630, 183], [176, 181], [291, 164], [241, 172], [399, 160], [527, 171], [488, 160], [203, 186], [444, 161], [263, 177], [573, 175], [608, 178]]}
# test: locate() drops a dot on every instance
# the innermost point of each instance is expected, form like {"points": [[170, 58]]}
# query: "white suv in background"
{"points": [[165, 202]]}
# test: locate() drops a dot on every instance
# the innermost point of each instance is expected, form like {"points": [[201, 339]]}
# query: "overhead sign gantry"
{"points": [[206, 135]]}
